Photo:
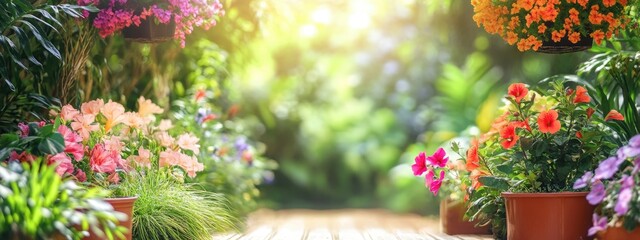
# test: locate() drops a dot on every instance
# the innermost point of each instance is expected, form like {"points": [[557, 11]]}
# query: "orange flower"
{"points": [[542, 28], [523, 124], [526, 4], [581, 96], [579, 134], [556, 35], [597, 36], [511, 38], [200, 94], [549, 13], [147, 108], [508, 135], [583, 3], [608, 3], [548, 122], [473, 160], [614, 115], [113, 112], [594, 16], [518, 91], [574, 37], [574, 16]]}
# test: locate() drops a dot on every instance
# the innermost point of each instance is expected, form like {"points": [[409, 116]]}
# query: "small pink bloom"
{"points": [[165, 139], [142, 159], [165, 125], [439, 158], [92, 107], [169, 158], [24, 129], [436, 184], [62, 162], [147, 108], [113, 113], [22, 157], [419, 167], [72, 142], [103, 161], [114, 178], [81, 176], [68, 112], [189, 142], [83, 124]]}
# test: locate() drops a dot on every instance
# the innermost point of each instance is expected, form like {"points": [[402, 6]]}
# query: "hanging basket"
{"points": [[150, 32], [566, 46]]}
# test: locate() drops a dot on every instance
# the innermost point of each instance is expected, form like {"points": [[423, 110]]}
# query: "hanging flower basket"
{"points": [[551, 26], [150, 31]]}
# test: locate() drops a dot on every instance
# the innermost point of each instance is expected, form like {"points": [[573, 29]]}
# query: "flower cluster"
{"points": [[614, 187], [103, 141], [115, 15], [529, 23], [430, 165]]}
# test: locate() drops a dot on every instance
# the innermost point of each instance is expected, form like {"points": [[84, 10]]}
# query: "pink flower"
{"points": [[169, 158], [103, 161], [83, 124], [419, 167], [24, 129], [439, 158], [62, 162], [142, 159], [22, 157], [72, 142], [133, 120], [165, 125], [114, 178], [189, 142], [81, 176], [92, 107], [165, 139], [68, 112], [433, 184], [147, 108]]}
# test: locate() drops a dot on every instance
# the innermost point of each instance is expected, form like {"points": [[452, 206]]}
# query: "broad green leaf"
{"points": [[53, 144], [495, 182]]}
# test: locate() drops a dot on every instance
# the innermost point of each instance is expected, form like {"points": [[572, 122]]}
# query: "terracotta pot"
{"points": [[617, 233], [452, 220], [566, 46], [123, 205], [564, 215]]}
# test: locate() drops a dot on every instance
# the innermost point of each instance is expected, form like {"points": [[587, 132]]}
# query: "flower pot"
{"points": [[452, 220], [123, 205], [564, 215], [566, 46], [149, 31], [618, 232]]}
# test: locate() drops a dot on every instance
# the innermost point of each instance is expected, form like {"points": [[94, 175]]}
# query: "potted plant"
{"points": [[38, 204], [153, 20], [452, 178], [528, 162], [556, 26], [615, 191]]}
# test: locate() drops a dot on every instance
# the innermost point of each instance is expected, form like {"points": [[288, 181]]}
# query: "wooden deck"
{"points": [[350, 224]]}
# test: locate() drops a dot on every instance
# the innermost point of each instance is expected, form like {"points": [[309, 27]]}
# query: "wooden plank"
{"points": [[226, 236], [379, 234], [349, 234], [319, 234], [408, 234], [260, 233]]}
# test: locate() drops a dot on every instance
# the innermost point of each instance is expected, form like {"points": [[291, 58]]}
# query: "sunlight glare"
{"points": [[322, 15]]}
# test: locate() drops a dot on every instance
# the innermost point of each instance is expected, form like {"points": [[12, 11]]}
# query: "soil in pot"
{"points": [[564, 215]]}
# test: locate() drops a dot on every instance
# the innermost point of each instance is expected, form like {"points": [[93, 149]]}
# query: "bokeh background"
{"points": [[341, 94]]}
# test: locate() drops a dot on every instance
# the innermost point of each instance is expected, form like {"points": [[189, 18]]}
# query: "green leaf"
{"points": [[7, 139], [53, 144], [46, 130], [506, 167], [495, 182]]}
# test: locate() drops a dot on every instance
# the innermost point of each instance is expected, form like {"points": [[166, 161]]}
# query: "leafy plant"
{"points": [[168, 209], [37, 204]]}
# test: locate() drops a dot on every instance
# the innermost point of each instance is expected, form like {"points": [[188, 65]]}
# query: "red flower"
{"points": [[581, 95], [200, 94], [473, 160], [518, 91], [548, 122], [579, 134], [420, 165], [614, 115], [508, 135], [590, 112], [475, 175]]}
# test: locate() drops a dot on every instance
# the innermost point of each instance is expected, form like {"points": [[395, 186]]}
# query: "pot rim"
{"points": [[121, 199], [543, 195]]}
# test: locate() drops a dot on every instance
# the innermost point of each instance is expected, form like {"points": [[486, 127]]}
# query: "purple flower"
{"points": [[597, 193], [628, 151], [636, 165], [635, 141], [583, 181], [599, 224], [622, 206], [241, 144], [608, 168]]}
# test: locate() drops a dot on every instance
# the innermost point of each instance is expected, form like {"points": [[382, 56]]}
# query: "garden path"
{"points": [[349, 224]]}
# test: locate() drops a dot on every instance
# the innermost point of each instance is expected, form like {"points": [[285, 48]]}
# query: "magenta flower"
{"points": [[597, 193], [421, 164], [436, 184], [599, 224], [72, 142], [583, 181], [439, 158]]}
